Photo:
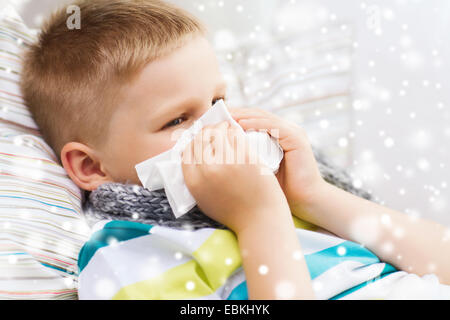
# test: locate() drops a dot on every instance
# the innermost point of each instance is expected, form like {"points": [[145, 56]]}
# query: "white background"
{"points": [[400, 141]]}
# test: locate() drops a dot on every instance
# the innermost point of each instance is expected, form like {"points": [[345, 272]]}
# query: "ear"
{"points": [[83, 166]]}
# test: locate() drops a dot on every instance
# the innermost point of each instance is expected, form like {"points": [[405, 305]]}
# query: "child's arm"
{"points": [[273, 262], [411, 244], [254, 207]]}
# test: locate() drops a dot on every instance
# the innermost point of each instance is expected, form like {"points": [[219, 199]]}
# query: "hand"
{"points": [[232, 193], [299, 175]]}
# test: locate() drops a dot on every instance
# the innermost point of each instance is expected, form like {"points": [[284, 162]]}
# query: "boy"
{"points": [[111, 95]]}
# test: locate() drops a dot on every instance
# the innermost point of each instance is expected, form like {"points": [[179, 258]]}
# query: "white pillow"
{"points": [[15, 37], [41, 226]]}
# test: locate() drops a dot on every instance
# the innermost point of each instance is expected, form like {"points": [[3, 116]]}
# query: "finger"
{"points": [[289, 136], [283, 134], [243, 113], [259, 124]]}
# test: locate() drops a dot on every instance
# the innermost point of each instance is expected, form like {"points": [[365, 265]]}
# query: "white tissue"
{"points": [[165, 170]]}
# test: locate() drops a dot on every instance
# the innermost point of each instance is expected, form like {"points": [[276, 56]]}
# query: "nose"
{"points": [[203, 109]]}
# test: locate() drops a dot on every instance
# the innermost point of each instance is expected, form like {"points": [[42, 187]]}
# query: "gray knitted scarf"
{"points": [[117, 201]]}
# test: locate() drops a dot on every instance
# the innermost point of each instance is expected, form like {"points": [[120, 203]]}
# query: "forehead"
{"points": [[188, 71]]}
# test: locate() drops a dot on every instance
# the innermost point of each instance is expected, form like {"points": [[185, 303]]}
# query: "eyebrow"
{"points": [[167, 110]]}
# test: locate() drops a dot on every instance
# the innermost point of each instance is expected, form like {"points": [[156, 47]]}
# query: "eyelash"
{"points": [[171, 123]]}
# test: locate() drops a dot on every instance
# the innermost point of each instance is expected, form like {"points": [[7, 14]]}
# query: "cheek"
{"points": [[154, 146], [129, 150]]}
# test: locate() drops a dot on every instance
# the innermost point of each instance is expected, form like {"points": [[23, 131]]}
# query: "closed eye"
{"points": [[182, 118]]}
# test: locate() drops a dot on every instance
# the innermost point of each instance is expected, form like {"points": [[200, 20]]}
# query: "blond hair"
{"points": [[71, 78]]}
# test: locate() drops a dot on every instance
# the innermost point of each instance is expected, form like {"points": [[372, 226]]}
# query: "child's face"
{"points": [[169, 94]]}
